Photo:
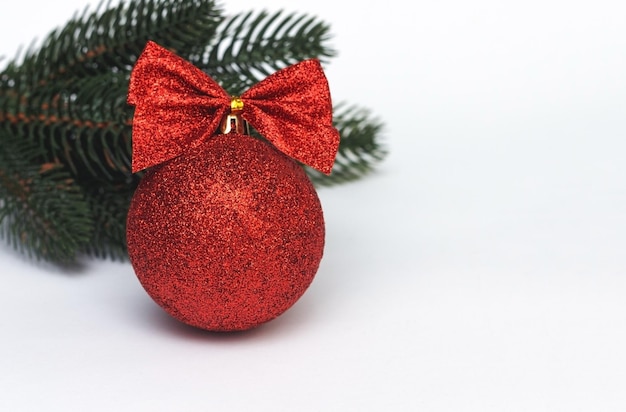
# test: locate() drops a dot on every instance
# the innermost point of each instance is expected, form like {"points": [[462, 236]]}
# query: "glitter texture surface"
{"points": [[227, 236], [178, 107]]}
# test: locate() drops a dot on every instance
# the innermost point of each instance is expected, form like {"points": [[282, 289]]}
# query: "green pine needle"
{"points": [[250, 46], [109, 206], [42, 211], [111, 39]]}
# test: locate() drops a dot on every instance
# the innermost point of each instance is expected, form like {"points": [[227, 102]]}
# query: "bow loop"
{"points": [[177, 107]]}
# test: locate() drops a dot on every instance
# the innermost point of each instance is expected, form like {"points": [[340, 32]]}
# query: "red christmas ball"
{"points": [[227, 236]]}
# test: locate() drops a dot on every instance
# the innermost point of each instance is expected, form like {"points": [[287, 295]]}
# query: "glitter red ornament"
{"points": [[225, 231]]}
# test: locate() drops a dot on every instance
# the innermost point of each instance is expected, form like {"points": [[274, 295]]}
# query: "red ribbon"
{"points": [[177, 107]]}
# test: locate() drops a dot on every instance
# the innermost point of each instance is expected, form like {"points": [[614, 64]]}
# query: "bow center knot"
{"points": [[236, 105], [233, 121]]}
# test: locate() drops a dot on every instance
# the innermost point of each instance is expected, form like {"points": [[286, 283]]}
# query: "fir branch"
{"points": [[70, 95], [111, 40], [65, 127], [359, 147], [33, 220], [250, 46], [109, 205], [85, 124]]}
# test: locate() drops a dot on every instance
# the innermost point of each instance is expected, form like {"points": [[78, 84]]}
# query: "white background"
{"points": [[482, 268]]}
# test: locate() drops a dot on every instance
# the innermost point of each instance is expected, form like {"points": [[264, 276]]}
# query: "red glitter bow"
{"points": [[177, 106]]}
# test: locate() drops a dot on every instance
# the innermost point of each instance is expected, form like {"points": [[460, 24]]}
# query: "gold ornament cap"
{"points": [[233, 122]]}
